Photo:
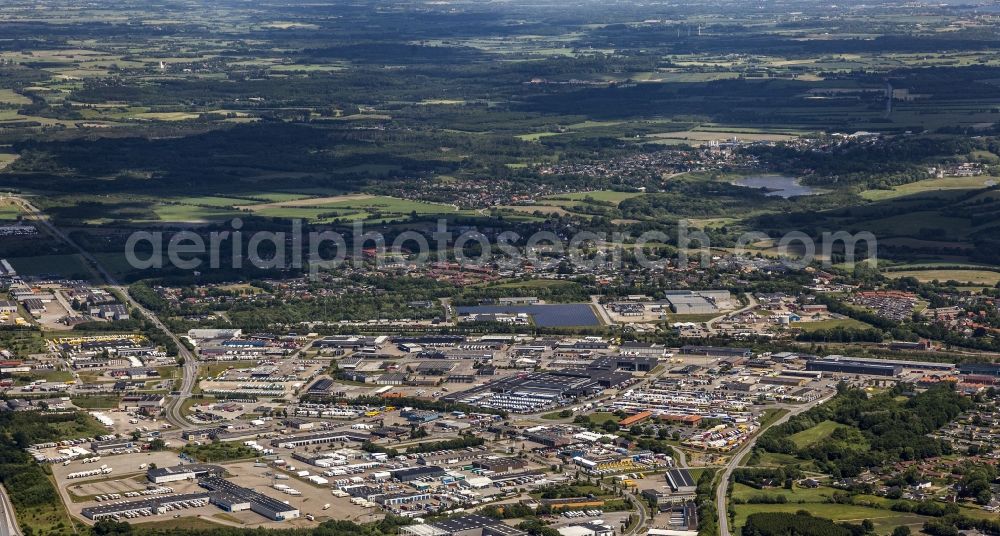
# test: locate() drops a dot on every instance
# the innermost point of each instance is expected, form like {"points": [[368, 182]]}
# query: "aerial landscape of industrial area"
{"points": [[499, 268]]}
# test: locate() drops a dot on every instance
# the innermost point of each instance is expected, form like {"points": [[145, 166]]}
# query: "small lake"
{"points": [[777, 185], [549, 315]]}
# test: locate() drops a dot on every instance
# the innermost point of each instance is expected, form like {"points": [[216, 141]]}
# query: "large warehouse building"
{"points": [[846, 365], [162, 475], [234, 498]]}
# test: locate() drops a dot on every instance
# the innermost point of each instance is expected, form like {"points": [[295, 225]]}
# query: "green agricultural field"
{"points": [[214, 201], [930, 185], [273, 197], [9, 212], [609, 196], [115, 263], [8, 96], [166, 116], [815, 434], [976, 277], [351, 207], [6, 159], [911, 225], [192, 214], [571, 203], [388, 208]]}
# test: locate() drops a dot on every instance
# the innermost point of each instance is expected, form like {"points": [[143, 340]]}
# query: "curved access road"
{"points": [[722, 491], [173, 407]]}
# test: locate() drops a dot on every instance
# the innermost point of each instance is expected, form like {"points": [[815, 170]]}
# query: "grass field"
{"points": [[976, 277], [884, 520], [565, 204], [795, 495], [537, 284], [166, 116], [182, 523], [214, 201], [192, 213], [8, 96], [602, 417], [930, 185], [6, 159], [698, 136], [831, 324], [814, 435], [96, 402], [609, 196], [49, 518], [9, 212], [350, 207], [911, 224]]}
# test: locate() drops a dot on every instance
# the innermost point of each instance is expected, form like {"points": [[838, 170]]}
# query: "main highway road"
{"points": [[8, 523], [174, 405]]}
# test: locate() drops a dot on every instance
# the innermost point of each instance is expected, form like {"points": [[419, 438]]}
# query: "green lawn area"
{"points": [[602, 417], [849, 323], [815, 434], [54, 376], [536, 283]]}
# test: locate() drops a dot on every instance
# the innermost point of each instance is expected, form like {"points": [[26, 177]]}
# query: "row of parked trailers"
{"points": [[144, 508]]}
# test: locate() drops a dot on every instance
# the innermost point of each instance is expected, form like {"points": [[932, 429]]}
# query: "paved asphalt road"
{"points": [[722, 491], [8, 523], [173, 407]]}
